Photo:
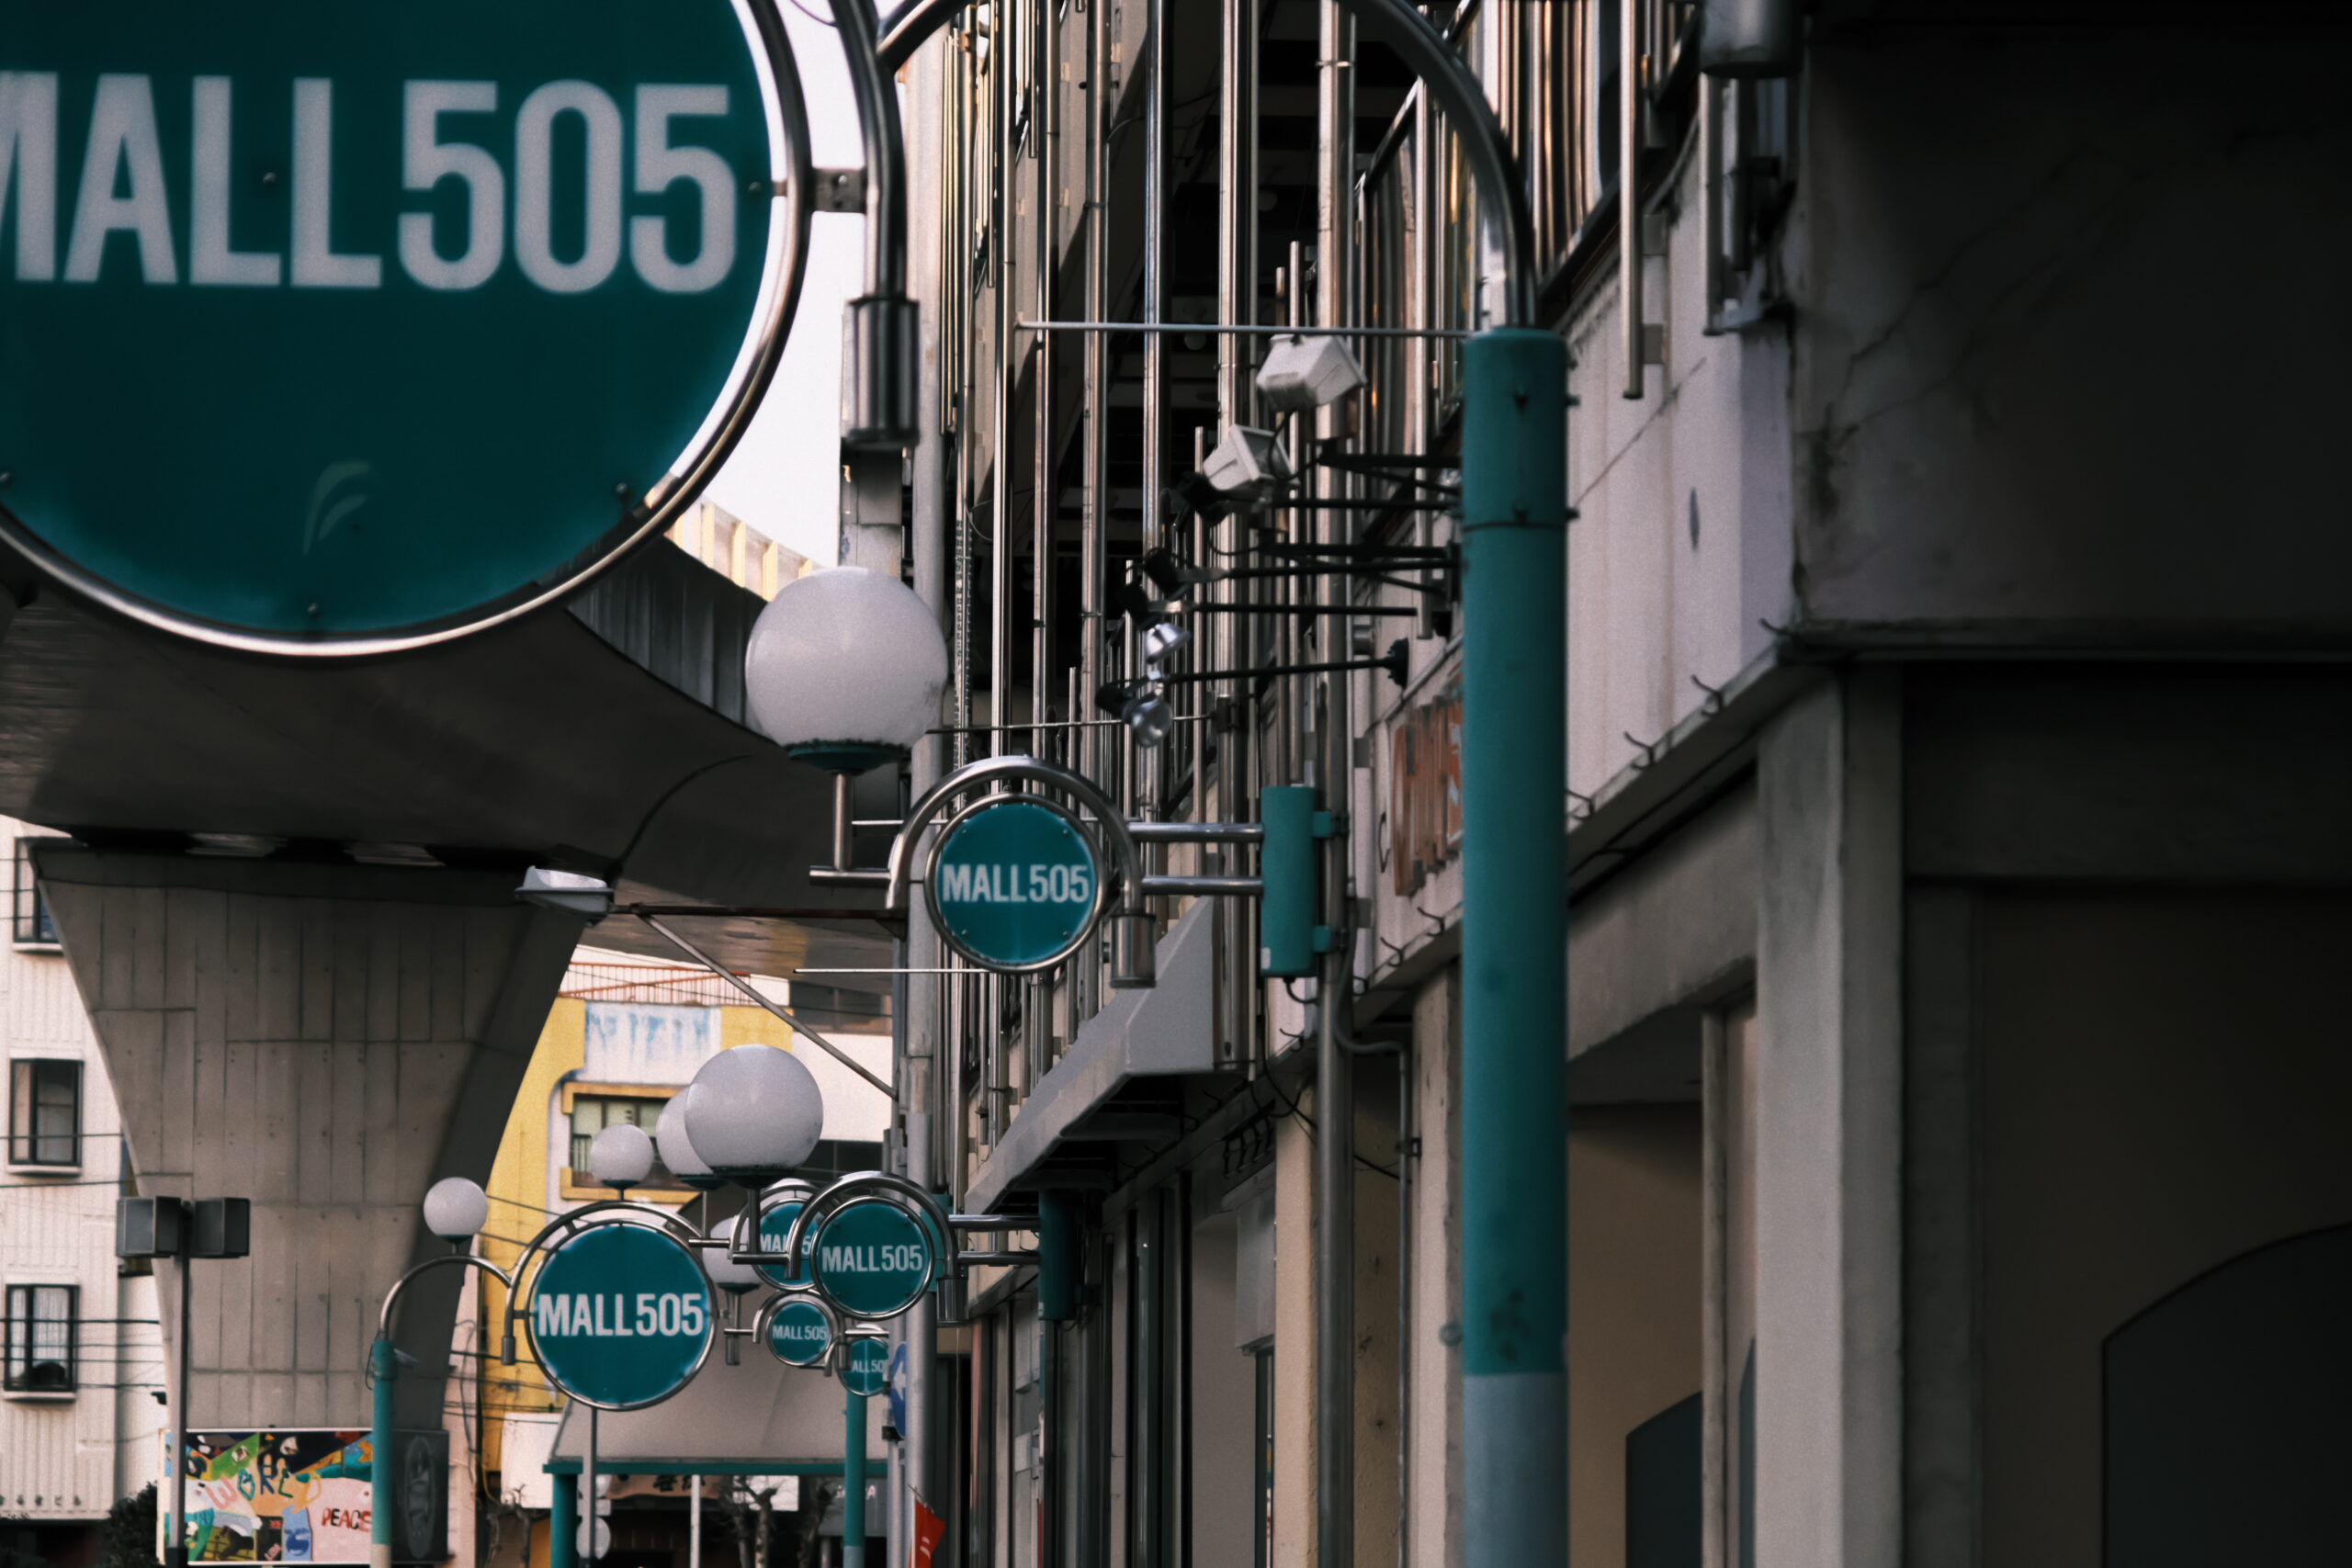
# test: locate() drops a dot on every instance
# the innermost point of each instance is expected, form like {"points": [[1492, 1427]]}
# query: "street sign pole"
{"points": [[854, 1481]]}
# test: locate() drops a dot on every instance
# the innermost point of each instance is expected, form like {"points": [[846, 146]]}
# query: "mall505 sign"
{"points": [[346, 326]]}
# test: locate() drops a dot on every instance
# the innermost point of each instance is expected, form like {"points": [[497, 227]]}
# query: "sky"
{"points": [[785, 478]]}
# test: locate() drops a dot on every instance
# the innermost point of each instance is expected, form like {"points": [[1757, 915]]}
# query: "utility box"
{"points": [[1288, 936], [221, 1227], [151, 1227]]}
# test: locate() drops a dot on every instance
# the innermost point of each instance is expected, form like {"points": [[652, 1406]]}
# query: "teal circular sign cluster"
{"points": [[341, 328], [620, 1316], [873, 1259], [1016, 885], [800, 1333], [865, 1366], [775, 1224]]}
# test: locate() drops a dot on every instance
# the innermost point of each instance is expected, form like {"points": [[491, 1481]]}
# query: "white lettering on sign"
{"points": [[126, 189], [616, 1316], [1016, 885], [898, 1259]]}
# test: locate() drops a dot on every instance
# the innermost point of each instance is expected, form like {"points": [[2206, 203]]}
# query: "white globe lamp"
{"points": [[455, 1209], [844, 669], [755, 1114], [620, 1157], [677, 1150]]}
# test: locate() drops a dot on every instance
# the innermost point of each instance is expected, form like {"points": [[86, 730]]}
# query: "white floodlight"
{"points": [[455, 1209], [1162, 639], [755, 1115], [677, 1150], [588, 896], [620, 1156], [844, 669], [1247, 464], [725, 1272], [1302, 373], [1148, 713]]}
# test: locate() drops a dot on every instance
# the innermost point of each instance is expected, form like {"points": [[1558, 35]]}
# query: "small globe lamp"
{"points": [[455, 1210], [754, 1114], [621, 1157], [845, 670], [677, 1150]]}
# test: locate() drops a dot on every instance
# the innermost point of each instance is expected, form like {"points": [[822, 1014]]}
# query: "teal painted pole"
{"points": [[853, 1483], [564, 1524], [1514, 950], [385, 1363]]}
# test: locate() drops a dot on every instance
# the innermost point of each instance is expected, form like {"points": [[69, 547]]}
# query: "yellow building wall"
{"points": [[518, 1190]]}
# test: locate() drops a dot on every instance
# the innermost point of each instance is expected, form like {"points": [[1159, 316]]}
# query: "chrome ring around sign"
{"points": [[1082, 930], [776, 1305]]}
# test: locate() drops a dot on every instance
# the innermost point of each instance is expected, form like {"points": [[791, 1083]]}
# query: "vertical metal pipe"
{"points": [[1003, 167], [1633, 341], [1710, 202], [843, 813], [1335, 1069], [854, 1481], [1095, 526], [1147, 1444], [175, 1546], [1514, 992], [694, 1525], [588, 1548], [1420, 313], [384, 1362], [1148, 761], [1046, 147], [1232, 645]]}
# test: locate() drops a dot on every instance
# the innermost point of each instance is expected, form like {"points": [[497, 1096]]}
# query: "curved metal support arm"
{"points": [[392, 1296], [908, 1196], [1453, 88], [885, 155], [679, 1231], [935, 804], [1133, 961]]}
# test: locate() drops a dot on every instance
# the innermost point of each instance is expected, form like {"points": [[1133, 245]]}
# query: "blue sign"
{"points": [[364, 322], [1016, 885], [620, 1316], [866, 1367], [898, 1388], [873, 1259], [800, 1333]]}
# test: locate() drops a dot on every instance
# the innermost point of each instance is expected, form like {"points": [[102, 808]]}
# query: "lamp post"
{"points": [[181, 1230], [455, 1210]]}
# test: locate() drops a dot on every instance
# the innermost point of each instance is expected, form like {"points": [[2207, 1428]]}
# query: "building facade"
{"points": [[1958, 740], [81, 1359]]}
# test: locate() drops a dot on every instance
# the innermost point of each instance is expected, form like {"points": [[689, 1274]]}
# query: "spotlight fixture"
{"points": [[1248, 465], [1302, 373]]}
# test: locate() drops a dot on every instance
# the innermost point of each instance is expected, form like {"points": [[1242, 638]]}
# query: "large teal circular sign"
{"points": [[620, 1316], [344, 328], [1016, 885], [873, 1259]]}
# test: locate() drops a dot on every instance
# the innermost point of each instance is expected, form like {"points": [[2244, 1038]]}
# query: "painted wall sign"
{"points": [[306, 1495], [873, 1259], [1425, 789], [865, 1366], [332, 330], [800, 1333], [1016, 885], [620, 1316]]}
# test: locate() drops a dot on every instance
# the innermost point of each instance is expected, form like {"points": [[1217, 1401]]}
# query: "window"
{"points": [[592, 1113], [39, 1339], [33, 927], [44, 1112]]}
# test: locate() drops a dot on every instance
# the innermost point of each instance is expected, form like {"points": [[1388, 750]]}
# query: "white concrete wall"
{"points": [[69, 1457]]}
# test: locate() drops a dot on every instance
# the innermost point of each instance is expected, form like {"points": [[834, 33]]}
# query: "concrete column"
{"points": [[1828, 1404], [327, 1039]]}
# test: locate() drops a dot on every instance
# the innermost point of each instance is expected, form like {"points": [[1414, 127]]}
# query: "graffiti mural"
{"points": [[307, 1497]]}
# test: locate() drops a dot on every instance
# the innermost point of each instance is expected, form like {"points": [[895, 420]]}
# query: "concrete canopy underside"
{"points": [[605, 737]]}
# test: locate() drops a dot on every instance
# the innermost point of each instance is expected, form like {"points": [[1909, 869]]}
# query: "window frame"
{"points": [[25, 1137], [32, 928], [15, 1383]]}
